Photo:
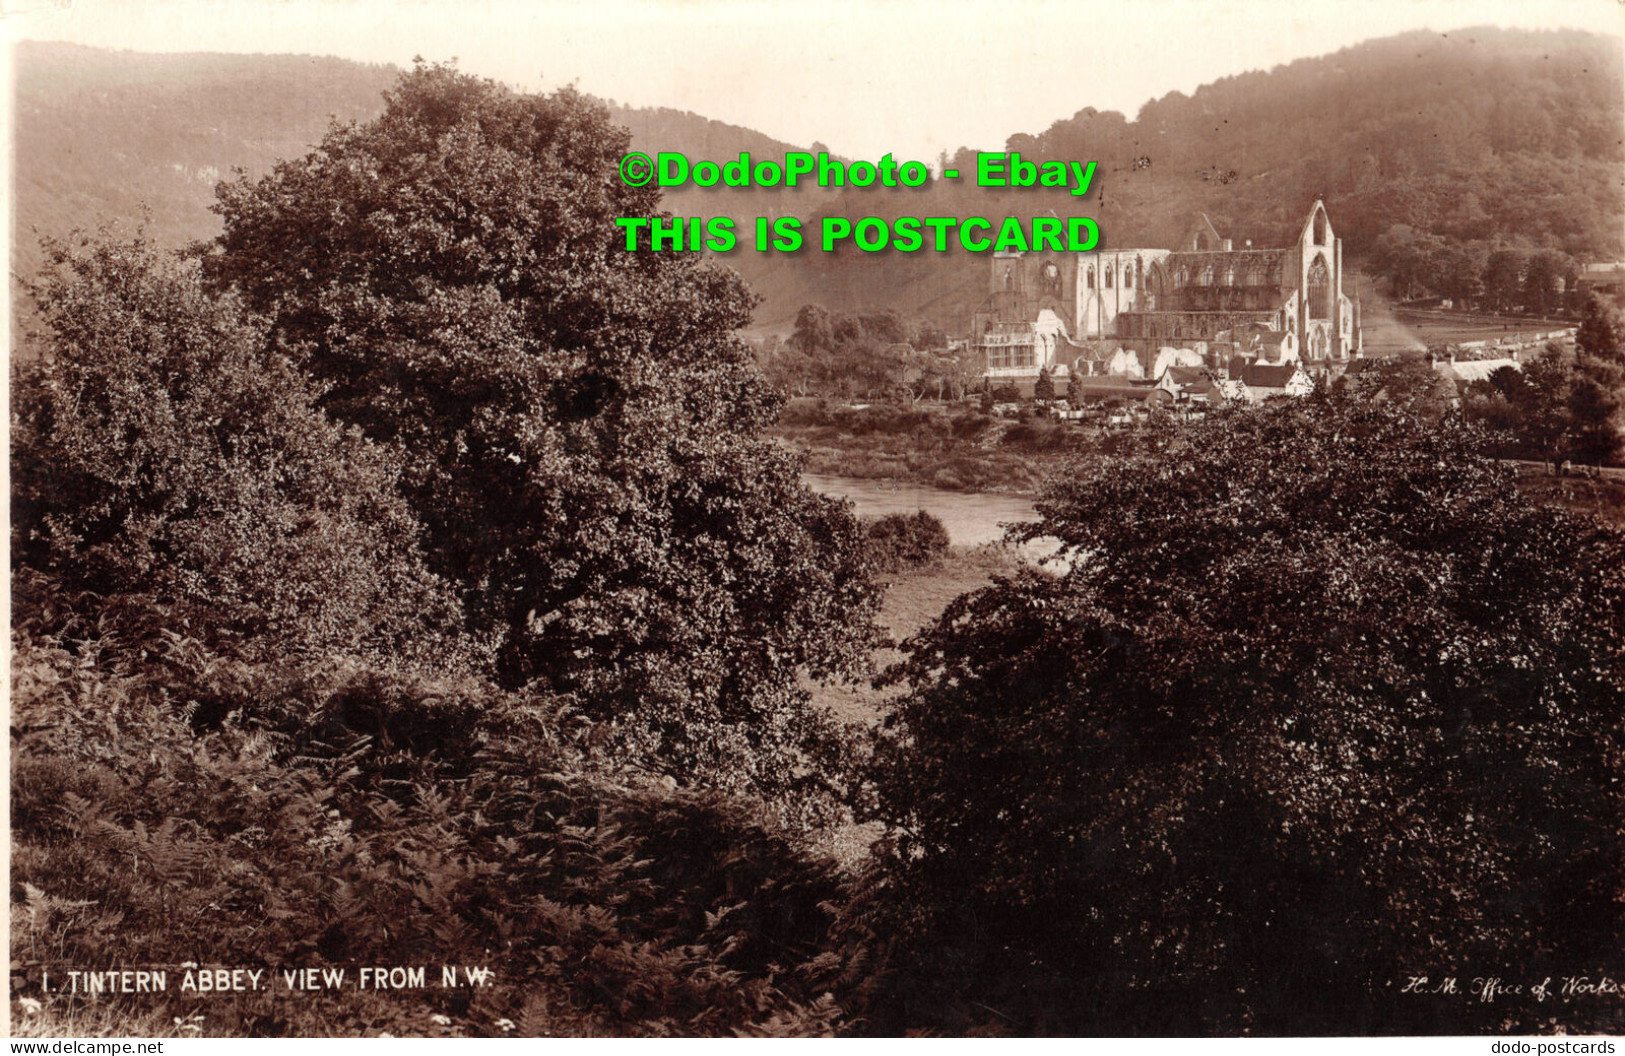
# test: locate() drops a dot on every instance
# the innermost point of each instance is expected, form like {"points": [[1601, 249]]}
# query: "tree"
{"points": [[1044, 387], [1563, 406], [580, 424], [1074, 384], [1406, 383], [1503, 279], [1456, 271], [1407, 257], [165, 448], [1542, 275], [815, 329], [1593, 407], [1319, 702], [1601, 334]]}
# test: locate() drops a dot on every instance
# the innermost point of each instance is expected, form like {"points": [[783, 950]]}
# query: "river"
{"points": [[970, 519]]}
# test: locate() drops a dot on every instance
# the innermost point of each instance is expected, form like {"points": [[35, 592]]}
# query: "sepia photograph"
{"points": [[700, 519]]}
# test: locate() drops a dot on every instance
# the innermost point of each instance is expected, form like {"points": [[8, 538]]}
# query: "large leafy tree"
{"points": [[1318, 703], [1563, 405], [1601, 333], [580, 424], [163, 447]]}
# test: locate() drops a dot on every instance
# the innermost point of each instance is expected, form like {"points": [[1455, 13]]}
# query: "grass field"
{"points": [[914, 599], [1455, 328], [1603, 498]]}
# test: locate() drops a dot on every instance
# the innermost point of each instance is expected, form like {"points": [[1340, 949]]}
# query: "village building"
{"points": [[1187, 389], [1140, 312], [1457, 374], [1607, 279], [1260, 381]]}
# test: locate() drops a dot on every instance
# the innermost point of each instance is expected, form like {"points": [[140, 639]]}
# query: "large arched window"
{"points": [[1089, 276], [1320, 290], [1108, 276]]}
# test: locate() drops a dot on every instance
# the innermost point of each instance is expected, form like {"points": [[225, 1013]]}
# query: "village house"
{"points": [[1260, 381]]}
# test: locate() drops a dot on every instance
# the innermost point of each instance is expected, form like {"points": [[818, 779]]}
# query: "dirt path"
{"points": [[1384, 334]]}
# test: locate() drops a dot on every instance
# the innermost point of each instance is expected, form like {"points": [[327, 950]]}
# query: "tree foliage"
{"points": [[166, 448], [1564, 405], [579, 424], [845, 354], [339, 815], [1044, 387], [1317, 703]]}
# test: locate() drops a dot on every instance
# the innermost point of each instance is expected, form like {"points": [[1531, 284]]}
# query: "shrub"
{"points": [[1321, 702], [900, 541], [316, 823], [971, 426], [166, 447]]}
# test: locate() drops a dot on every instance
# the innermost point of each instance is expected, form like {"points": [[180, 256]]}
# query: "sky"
{"points": [[865, 77]]}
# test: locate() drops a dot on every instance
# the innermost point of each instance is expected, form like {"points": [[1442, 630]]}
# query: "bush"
{"points": [[971, 426], [166, 447], [901, 541], [346, 816], [1321, 702]]}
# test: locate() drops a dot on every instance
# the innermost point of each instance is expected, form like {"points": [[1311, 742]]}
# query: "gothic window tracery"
{"points": [[1319, 294]]}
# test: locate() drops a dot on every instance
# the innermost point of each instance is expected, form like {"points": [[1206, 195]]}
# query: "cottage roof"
{"points": [[1362, 364], [1263, 376], [1470, 370]]}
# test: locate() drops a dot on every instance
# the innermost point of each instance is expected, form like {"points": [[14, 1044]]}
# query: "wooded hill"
{"points": [[1497, 139]]}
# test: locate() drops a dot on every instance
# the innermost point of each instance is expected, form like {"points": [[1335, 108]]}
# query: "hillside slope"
{"points": [[1493, 138]]}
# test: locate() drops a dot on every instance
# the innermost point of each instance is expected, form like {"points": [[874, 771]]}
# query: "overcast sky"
{"points": [[866, 77]]}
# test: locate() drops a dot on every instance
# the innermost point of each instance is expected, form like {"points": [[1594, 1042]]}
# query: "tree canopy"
{"points": [[164, 448], [579, 423], [1565, 404], [1317, 703]]}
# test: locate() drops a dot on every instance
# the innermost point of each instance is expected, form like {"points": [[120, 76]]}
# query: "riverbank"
{"points": [[972, 454], [955, 449]]}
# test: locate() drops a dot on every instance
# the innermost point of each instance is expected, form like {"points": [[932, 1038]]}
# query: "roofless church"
{"points": [[1110, 310]]}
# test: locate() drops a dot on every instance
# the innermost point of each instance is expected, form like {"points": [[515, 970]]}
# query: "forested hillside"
{"points": [[1479, 140], [143, 139], [103, 135], [1432, 151]]}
